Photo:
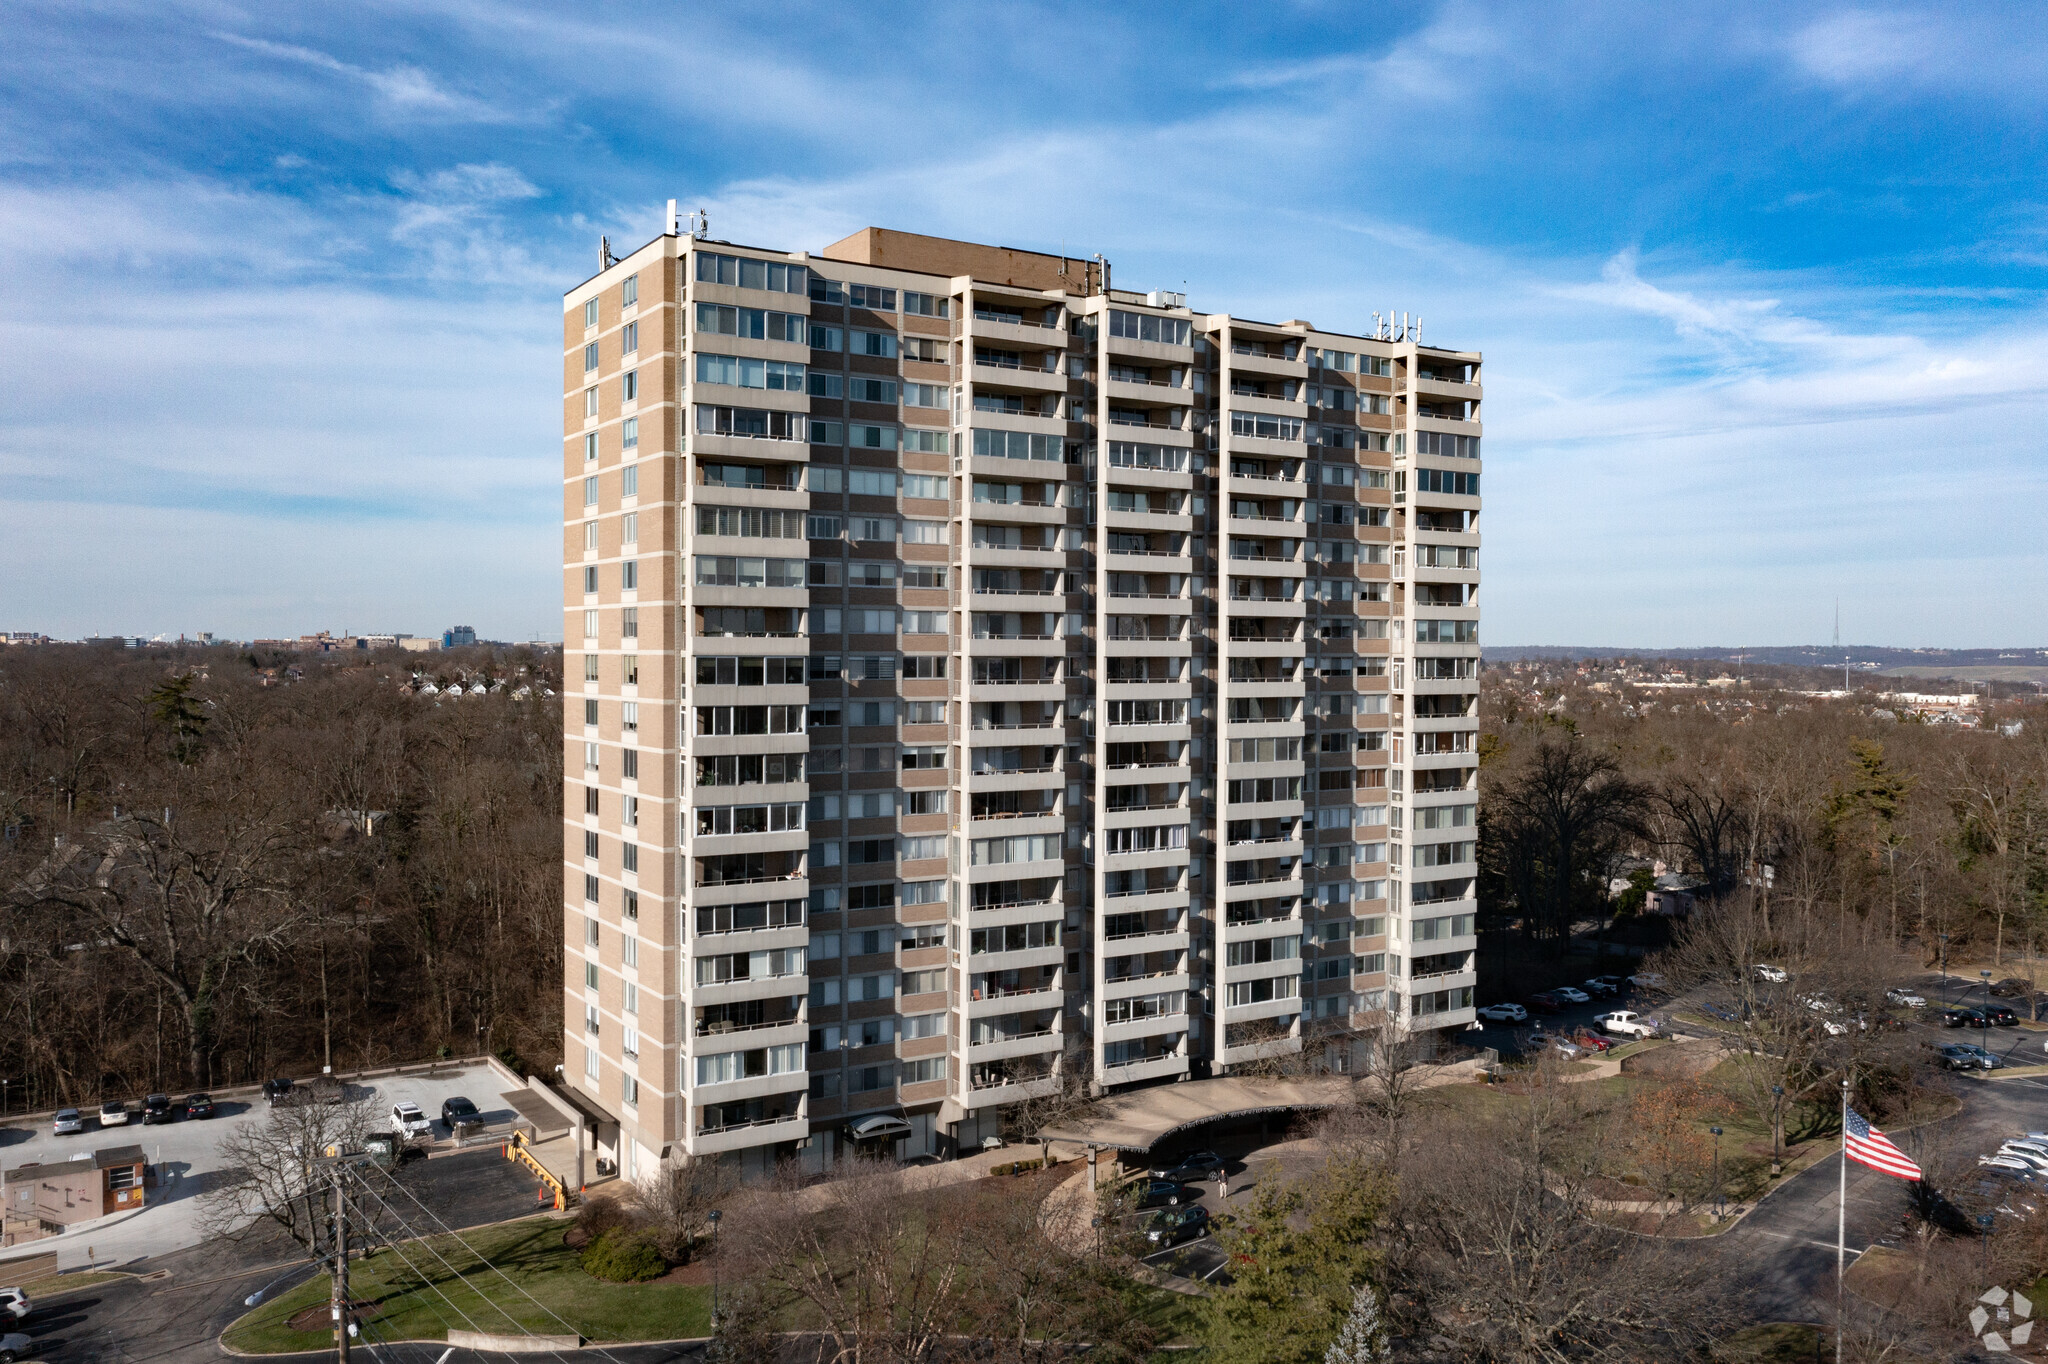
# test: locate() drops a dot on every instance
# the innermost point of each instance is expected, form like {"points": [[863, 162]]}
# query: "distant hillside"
{"points": [[2025, 665]]}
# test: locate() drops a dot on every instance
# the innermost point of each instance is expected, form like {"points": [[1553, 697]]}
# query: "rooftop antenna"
{"points": [[1838, 645], [605, 259], [1418, 329], [671, 218]]}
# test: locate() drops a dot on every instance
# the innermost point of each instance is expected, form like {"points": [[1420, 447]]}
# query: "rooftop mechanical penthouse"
{"points": [[982, 676]]}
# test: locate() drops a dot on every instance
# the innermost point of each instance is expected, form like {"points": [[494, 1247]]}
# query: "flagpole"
{"points": [[1842, 1222]]}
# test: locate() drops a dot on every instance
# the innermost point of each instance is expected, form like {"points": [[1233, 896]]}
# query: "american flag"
{"points": [[1866, 1145]]}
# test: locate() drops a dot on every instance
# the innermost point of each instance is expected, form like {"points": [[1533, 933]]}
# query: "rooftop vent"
{"points": [[1165, 298]]}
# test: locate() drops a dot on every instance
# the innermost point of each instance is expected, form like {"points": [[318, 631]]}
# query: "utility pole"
{"points": [[340, 1293]]}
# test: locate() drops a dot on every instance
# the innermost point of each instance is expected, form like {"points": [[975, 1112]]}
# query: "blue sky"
{"points": [[1760, 289]]}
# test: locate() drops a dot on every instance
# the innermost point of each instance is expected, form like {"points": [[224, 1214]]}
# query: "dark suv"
{"points": [[1175, 1225], [460, 1114], [157, 1108], [1197, 1165], [1999, 1015]]}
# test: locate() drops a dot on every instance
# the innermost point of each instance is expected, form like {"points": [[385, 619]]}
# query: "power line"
{"points": [[493, 1268], [428, 1246]]}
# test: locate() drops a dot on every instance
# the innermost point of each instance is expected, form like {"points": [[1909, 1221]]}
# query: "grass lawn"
{"points": [[531, 1254], [51, 1285], [1781, 1342]]}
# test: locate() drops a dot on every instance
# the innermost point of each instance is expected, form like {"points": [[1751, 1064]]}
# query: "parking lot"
{"points": [[184, 1153]]}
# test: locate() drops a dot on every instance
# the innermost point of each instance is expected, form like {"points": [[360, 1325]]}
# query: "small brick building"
{"points": [[42, 1200]]}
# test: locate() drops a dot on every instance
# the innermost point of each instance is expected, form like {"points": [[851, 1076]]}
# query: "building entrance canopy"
{"points": [[1138, 1120]]}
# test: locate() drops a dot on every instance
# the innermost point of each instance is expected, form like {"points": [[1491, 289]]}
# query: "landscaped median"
{"points": [[420, 1290]]}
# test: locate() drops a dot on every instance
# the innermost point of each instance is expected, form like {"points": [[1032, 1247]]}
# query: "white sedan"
{"points": [[1504, 1013], [1571, 995], [1904, 999], [1774, 974]]}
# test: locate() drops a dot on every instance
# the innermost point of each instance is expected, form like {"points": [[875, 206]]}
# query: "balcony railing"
{"points": [[1143, 890], [724, 1027], [708, 1130]]}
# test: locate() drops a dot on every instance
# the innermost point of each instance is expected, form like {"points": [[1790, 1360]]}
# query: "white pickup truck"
{"points": [[1623, 1023]]}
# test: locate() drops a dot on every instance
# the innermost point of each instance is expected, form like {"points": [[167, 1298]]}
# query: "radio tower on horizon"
{"points": [[1838, 645]]}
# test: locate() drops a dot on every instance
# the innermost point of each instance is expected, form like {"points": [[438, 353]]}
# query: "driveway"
{"points": [[185, 1153]]}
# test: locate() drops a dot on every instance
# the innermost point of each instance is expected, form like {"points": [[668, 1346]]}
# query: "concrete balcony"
{"points": [[1158, 393], [1271, 1008], [1030, 690], [1279, 927], [1010, 556], [1273, 366], [739, 892], [1151, 859], [765, 1133], [995, 1095], [1176, 939], [794, 987], [751, 447], [1014, 871], [748, 940], [1131, 1072], [1017, 514], [1016, 646], [1028, 912], [1262, 1050], [1144, 1027], [1131, 817], [1129, 986], [1261, 890], [746, 1039], [1043, 780], [1008, 825], [1021, 379], [1115, 519], [1030, 1044], [754, 1087], [1147, 773], [1008, 335], [1139, 901], [1015, 1002], [1158, 561]]}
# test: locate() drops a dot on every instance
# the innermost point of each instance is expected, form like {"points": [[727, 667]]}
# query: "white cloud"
{"points": [[402, 90]]}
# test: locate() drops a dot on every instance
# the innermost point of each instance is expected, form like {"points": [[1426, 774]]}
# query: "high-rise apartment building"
{"points": [[982, 679]]}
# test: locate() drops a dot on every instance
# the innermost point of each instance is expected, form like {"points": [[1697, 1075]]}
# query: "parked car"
{"points": [[1774, 974], [1160, 1193], [1563, 1046], [14, 1304], [155, 1109], [2006, 1163], [1968, 1056], [1572, 996], [1964, 1018], [2034, 1160], [1504, 1013], [198, 1105], [113, 1113], [1189, 1168], [1602, 986], [277, 1091], [14, 1345], [408, 1122], [2013, 987], [1175, 1225], [1646, 980], [1593, 1041], [2031, 1143], [1546, 1001], [460, 1114], [1999, 1015], [1623, 1023], [1905, 999], [66, 1121]]}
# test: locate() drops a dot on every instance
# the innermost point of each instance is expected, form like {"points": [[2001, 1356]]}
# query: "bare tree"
{"points": [[274, 1172], [1497, 1250], [875, 1266], [1065, 1092], [675, 1202]]}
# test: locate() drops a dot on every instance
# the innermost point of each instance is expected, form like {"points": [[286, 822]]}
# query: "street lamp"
{"points": [[1777, 1128], [714, 1218], [1720, 1207], [1987, 985]]}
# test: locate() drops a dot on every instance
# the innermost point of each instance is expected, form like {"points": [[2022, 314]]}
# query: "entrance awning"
{"points": [[1139, 1119], [881, 1125]]}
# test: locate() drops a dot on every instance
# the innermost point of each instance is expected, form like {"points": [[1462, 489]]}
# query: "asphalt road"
{"points": [[179, 1319]]}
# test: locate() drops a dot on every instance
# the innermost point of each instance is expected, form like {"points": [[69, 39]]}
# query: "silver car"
{"points": [[67, 1122]]}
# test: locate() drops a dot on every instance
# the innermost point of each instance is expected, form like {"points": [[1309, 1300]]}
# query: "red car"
{"points": [[1546, 1002], [1593, 1041]]}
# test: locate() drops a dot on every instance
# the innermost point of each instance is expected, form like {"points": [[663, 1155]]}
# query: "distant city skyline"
{"points": [[1760, 289]]}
